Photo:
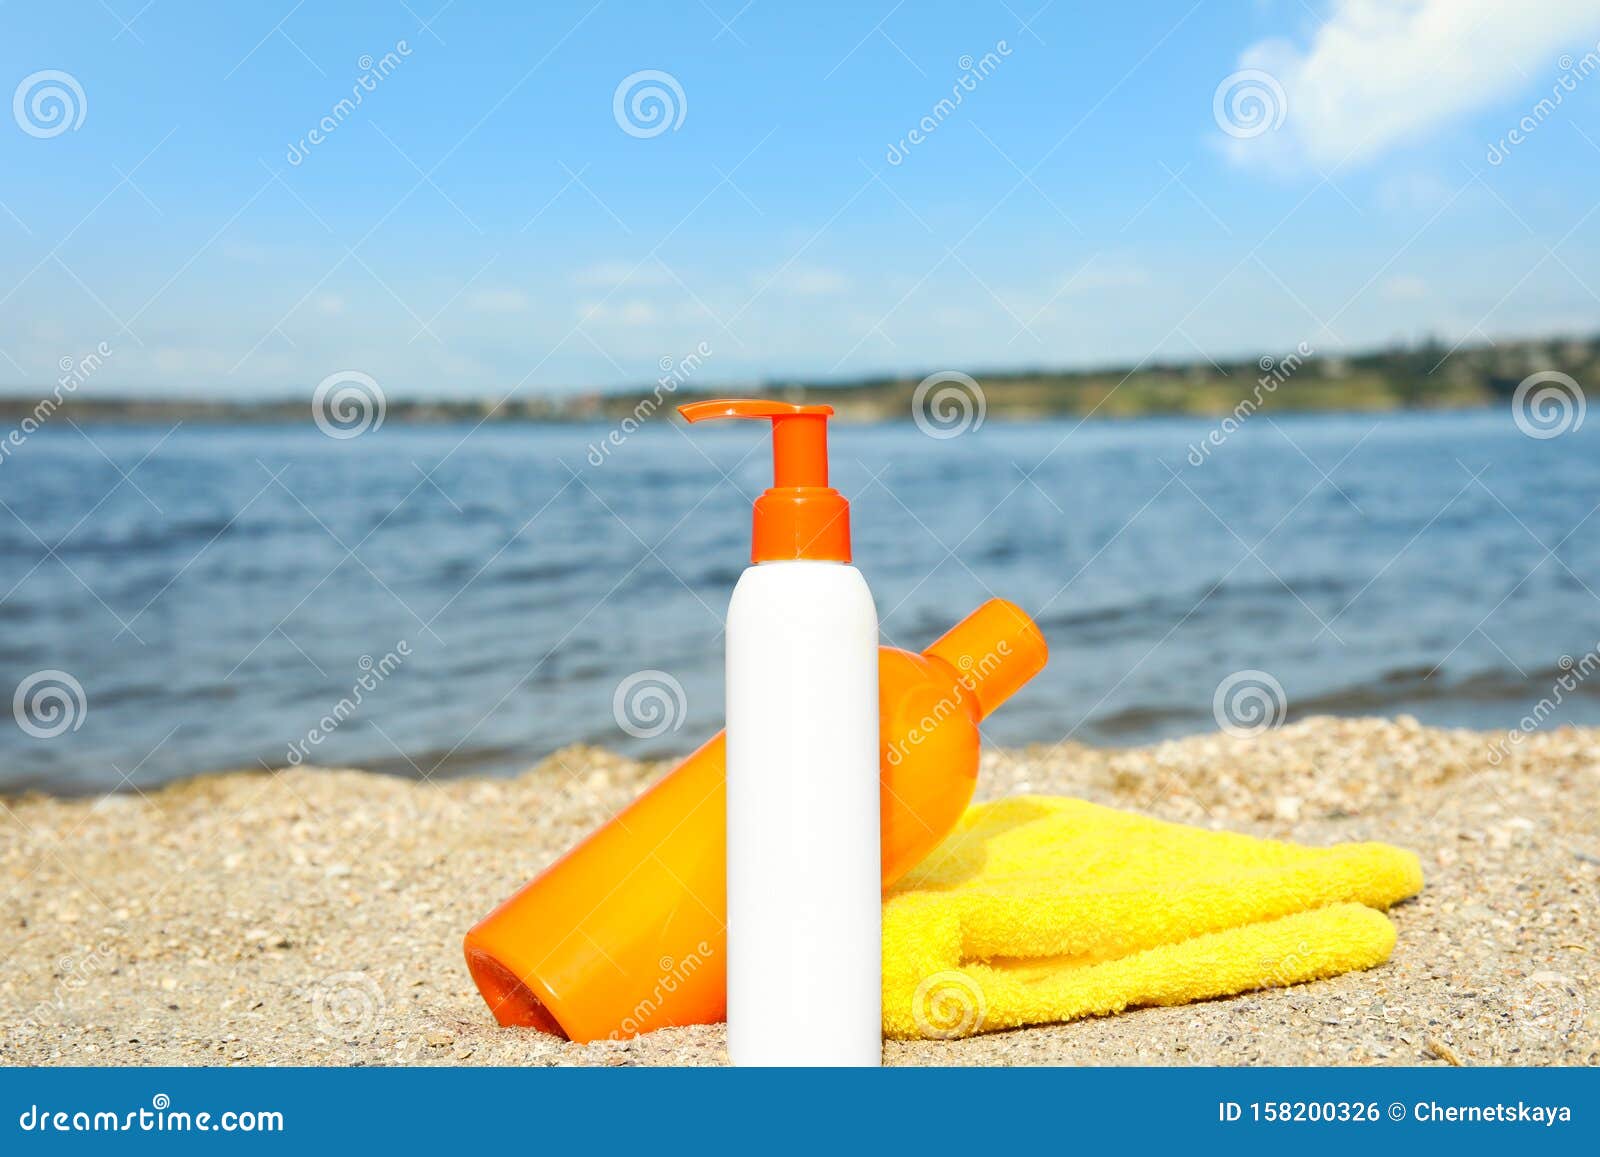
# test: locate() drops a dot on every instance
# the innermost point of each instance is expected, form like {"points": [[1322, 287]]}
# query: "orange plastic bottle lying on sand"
{"points": [[626, 932]]}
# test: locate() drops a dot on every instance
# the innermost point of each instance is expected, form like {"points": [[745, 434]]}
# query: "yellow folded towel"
{"points": [[1040, 909]]}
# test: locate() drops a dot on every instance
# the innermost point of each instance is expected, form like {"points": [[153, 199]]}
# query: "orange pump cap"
{"points": [[799, 515]]}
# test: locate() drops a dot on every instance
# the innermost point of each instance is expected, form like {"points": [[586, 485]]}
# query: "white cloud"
{"points": [[806, 282], [615, 274], [1405, 287], [1102, 277], [1380, 73], [633, 313]]}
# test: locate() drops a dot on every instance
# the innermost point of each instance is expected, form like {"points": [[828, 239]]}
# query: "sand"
{"points": [[314, 916]]}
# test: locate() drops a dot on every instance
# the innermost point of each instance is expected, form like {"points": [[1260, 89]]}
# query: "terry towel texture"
{"points": [[1040, 909]]}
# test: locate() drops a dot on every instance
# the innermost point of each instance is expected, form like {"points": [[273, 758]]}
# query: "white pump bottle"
{"points": [[804, 869]]}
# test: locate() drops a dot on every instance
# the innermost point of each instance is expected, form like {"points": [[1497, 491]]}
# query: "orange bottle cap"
{"points": [[995, 650], [799, 515]]}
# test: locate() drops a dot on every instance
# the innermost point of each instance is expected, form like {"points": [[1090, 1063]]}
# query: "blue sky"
{"points": [[482, 222]]}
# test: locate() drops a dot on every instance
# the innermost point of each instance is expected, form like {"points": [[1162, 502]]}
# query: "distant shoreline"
{"points": [[425, 415], [1429, 376]]}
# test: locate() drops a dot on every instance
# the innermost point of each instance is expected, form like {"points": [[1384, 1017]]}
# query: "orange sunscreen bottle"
{"points": [[627, 932]]}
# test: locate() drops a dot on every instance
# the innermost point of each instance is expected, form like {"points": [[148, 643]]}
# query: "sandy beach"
{"points": [[315, 916]]}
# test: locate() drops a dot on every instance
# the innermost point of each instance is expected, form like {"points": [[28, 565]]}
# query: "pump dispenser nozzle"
{"points": [[799, 515]]}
